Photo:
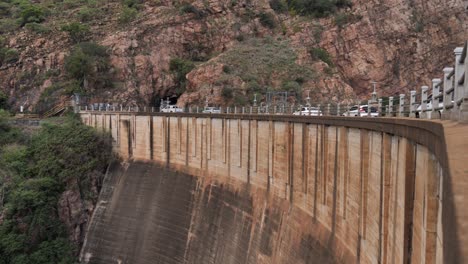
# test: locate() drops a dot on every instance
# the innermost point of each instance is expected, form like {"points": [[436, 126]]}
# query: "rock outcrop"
{"points": [[401, 44]]}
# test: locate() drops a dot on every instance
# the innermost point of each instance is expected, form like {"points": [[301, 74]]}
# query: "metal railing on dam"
{"points": [[363, 190]]}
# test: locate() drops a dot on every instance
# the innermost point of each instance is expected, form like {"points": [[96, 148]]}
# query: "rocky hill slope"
{"points": [[224, 50]]}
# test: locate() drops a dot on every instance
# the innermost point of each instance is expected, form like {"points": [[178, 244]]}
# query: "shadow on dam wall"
{"points": [[147, 214]]}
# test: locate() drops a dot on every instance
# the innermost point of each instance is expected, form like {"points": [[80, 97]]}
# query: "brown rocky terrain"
{"points": [[234, 51]]}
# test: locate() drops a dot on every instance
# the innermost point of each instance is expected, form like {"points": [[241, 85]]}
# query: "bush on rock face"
{"points": [[89, 65], [180, 68], [78, 32], [32, 14], [316, 8]]}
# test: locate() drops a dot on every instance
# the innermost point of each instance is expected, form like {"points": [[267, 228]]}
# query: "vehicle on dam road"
{"points": [[211, 110], [171, 109], [309, 111], [361, 110]]}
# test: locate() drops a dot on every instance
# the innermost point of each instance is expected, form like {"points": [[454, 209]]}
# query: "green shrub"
{"points": [[8, 134], [321, 54], [128, 14], [10, 56], [8, 25], [71, 4], [32, 14], [227, 69], [5, 9], [316, 8], [3, 100], [92, 3], [180, 68], [343, 3], [89, 61], [417, 21], [188, 8], [37, 28], [280, 6], [132, 3], [86, 14], [292, 87], [267, 20], [240, 100], [227, 92], [78, 32], [345, 18]]}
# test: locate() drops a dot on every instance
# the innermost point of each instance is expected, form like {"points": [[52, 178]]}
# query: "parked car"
{"points": [[310, 111], [211, 110], [171, 109], [361, 110]]}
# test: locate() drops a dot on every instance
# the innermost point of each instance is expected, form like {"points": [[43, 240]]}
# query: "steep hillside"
{"points": [[224, 50]]}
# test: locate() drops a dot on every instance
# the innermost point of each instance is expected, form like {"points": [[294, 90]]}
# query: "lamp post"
{"points": [[374, 93]]}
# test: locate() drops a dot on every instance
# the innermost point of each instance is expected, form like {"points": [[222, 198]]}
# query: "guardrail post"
{"points": [[401, 109], [250, 110], [379, 108], [390, 106], [347, 109], [435, 113], [447, 97], [412, 104], [464, 88], [424, 102], [86, 108], [458, 89], [243, 110], [369, 102], [338, 109], [328, 110], [319, 109]]}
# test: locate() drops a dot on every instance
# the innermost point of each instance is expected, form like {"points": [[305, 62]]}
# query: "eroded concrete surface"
{"points": [[148, 214]]}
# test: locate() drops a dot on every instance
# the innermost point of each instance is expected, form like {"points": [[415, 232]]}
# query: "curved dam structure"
{"points": [[279, 189]]}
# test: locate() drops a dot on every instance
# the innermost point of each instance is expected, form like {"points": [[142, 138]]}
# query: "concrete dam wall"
{"points": [[273, 189]]}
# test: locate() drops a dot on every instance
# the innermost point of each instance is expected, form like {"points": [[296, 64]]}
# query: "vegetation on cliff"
{"points": [[263, 65], [35, 172], [316, 8]]}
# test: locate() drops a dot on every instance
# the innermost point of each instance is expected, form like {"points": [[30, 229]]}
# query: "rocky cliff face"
{"points": [[238, 48]]}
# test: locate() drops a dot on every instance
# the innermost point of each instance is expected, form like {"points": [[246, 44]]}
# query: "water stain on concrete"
{"points": [[153, 215]]}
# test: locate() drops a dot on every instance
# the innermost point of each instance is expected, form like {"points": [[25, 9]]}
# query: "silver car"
{"points": [[309, 111]]}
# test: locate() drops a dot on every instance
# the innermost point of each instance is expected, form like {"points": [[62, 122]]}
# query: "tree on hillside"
{"points": [[89, 65]]}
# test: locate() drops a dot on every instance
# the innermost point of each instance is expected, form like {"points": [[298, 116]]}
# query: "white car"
{"points": [[211, 110], [309, 111], [361, 110], [171, 109]]}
